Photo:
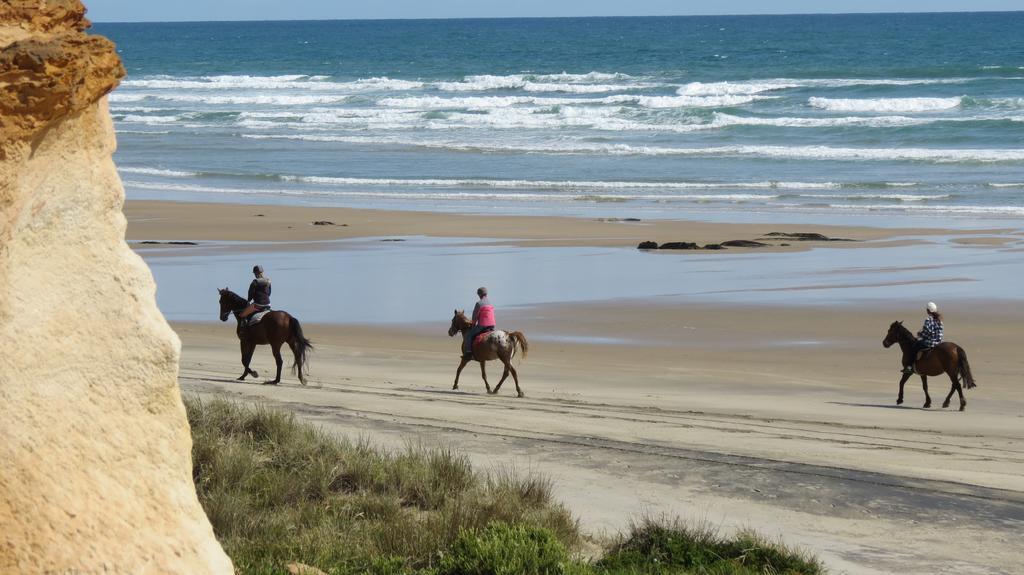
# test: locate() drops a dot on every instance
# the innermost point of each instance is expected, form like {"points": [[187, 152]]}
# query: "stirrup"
{"points": [[908, 369]]}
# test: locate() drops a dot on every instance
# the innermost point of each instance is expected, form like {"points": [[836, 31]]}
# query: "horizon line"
{"points": [[400, 19]]}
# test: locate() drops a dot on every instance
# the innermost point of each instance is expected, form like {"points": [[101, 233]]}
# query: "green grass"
{"points": [[279, 491], [671, 547]]}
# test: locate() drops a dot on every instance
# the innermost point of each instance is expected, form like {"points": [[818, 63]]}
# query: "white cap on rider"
{"points": [[931, 307]]}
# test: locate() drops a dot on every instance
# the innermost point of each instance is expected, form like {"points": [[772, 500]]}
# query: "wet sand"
{"points": [[745, 410], [164, 221]]}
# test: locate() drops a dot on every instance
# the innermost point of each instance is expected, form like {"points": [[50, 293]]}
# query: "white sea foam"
{"points": [[427, 196], [240, 99], [1006, 185], [558, 184], [910, 205], [938, 208], [471, 102], [135, 109], [577, 84], [384, 83], [723, 120], [287, 82], [136, 119], [156, 172], [890, 197], [485, 103], [127, 97], [937, 155], [685, 101], [885, 105], [734, 88], [144, 132]]}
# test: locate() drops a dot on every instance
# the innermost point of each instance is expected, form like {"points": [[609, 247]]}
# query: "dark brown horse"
{"points": [[497, 345], [275, 329], [947, 357]]}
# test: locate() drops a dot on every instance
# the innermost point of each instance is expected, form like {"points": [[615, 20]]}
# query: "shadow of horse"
{"points": [[877, 406]]}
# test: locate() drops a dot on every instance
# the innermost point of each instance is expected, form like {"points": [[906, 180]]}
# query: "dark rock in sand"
{"points": [[648, 246], [679, 246], [805, 237], [744, 244], [323, 223], [393, 240], [714, 247], [174, 243]]}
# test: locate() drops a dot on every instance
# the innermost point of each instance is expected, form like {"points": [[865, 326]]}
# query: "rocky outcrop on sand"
{"points": [[95, 445], [769, 237], [803, 237]]}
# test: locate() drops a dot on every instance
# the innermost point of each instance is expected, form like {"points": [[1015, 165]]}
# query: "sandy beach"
{"points": [[766, 408], [184, 221]]}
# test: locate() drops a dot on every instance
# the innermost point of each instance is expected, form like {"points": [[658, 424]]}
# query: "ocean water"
{"points": [[816, 118]]}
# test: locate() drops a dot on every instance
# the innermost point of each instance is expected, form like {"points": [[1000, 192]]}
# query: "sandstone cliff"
{"points": [[95, 448]]}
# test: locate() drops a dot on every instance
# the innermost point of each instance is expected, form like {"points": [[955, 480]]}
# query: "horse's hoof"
{"points": [[455, 387], [945, 405], [963, 407], [240, 378], [928, 405], [899, 402], [271, 382], [520, 394]]}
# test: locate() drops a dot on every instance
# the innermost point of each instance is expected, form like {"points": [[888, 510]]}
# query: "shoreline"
{"points": [[150, 220]]}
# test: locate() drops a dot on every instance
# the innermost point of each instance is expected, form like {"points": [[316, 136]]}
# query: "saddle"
{"points": [[255, 318], [923, 353], [480, 338]]}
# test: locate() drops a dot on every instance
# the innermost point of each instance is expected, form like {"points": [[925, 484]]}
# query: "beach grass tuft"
{"points": [[668, 546], [280, 491]]}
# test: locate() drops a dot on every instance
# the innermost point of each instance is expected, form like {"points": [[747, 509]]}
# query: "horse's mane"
{"points": [[904, 331], [463, 318], [235, 297]]}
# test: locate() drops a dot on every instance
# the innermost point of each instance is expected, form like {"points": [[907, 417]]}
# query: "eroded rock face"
{"points": [[94, 444]]}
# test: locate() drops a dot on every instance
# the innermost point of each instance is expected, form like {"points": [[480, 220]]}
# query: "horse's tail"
{"points": [[965, 369], [519, 338], [301, 346]]}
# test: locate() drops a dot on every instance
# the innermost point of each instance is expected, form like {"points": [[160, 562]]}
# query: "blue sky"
{"points": [[180, 10]]}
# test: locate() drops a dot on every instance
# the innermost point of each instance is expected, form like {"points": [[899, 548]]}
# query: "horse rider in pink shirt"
{"points": [[483, 321]]}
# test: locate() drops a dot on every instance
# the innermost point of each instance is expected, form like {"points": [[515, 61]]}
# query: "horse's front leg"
{"points": [[462, 364], [247, 351], [903, 380], [927, 398], [483, 373]]}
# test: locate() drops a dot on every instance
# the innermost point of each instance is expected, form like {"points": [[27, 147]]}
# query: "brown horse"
{"points": [[497, 345], [947, 357], [275, 329]]}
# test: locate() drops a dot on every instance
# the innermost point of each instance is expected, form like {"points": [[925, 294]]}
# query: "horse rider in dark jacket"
{"points": [[259, 293]]}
